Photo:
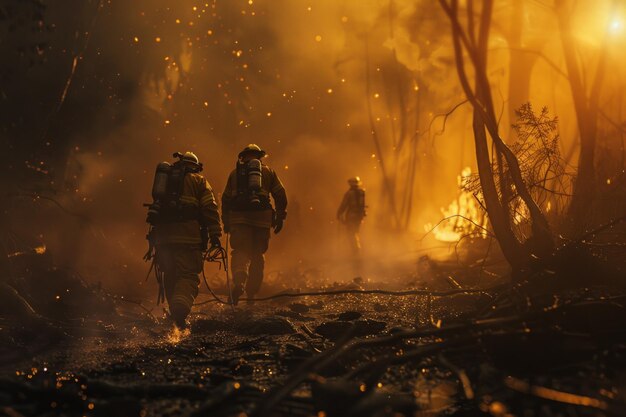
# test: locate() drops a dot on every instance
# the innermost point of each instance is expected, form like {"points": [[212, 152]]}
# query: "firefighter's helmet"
{"points": [[252, 148], [354, 181], [189, 158]]}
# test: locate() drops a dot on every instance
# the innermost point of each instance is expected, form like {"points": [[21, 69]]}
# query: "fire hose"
{"points": [[422, 292], [217, 254]]}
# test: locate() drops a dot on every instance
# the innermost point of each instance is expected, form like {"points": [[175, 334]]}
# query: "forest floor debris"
{"points": [[360, 355], [539, 347]]}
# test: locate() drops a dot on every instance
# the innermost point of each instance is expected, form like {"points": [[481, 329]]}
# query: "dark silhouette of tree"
{"points": [[473, 41], [586, 96]]}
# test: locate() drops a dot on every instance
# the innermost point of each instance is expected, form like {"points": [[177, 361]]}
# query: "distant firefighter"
{"points": [[183, 219], [352, 211], [248, 215]]}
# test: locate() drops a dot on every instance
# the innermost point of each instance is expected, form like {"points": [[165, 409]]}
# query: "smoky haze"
{"points": [[298, 78]]}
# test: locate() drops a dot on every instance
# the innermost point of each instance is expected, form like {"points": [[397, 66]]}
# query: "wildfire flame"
{"points": [[464, 216]]}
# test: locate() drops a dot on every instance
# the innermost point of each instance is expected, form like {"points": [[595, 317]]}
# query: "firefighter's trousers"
{"points": [[354, 238], [181, 265], [249, 244], [354, 241]]}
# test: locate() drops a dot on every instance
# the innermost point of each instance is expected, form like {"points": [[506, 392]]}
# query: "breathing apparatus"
{"points": [[355, 187], [249, 180], [167, 188]]}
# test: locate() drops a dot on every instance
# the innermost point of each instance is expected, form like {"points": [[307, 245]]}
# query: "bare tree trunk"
{"points": [[587, 117], [521, 64], [541, 242], [403, 167], [412, 167], [387, 183], [511, 248]]}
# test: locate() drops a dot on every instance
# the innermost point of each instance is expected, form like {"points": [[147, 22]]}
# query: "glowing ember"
{"points": [[176, 335], [38, 250]]}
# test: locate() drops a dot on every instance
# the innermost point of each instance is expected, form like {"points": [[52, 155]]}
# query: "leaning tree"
{"points": [[502, 178]]}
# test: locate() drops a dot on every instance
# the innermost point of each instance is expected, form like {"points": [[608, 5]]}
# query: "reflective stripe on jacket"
{"points": [[270, 185], [196, 193]]}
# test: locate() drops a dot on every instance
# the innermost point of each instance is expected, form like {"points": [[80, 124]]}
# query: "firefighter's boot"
{"points": [[239, 278], [179, 315]]}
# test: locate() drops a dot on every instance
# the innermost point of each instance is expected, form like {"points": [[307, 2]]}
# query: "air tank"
{"points": [[254, 179], [161, 175], [362, 205]]}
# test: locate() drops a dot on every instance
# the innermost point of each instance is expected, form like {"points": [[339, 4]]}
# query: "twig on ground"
{"points": [[461, 374]]}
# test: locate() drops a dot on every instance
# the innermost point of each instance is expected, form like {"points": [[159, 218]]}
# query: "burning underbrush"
{"points": [[464, 217]]}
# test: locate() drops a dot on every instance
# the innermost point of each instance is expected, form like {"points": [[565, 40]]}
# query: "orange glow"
{"points": [[464, 217], [176, 335]]}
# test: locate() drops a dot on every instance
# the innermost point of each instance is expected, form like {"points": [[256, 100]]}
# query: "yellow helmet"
{"points": [[354, 181], [188, 157], [253, 148]]}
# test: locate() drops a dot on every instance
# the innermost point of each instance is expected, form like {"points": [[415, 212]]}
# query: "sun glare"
{"points": [[616, 26]]}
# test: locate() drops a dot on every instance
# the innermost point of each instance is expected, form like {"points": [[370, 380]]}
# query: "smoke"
{"points": [[158, 77], [290, 78], [282, 90]]}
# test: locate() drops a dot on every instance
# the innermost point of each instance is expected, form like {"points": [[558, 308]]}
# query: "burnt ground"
{"points": [[515, 350], [234, 362]]}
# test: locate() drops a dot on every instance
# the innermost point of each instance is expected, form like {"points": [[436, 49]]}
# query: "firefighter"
{"points": [[248, 216], [184, 219], [351, 213]]}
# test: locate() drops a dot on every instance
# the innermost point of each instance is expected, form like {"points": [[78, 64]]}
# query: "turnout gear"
{"points": [[215, 242], [277, 224], [351, 213], [197, 209], [183, 219], [169, 204], [249, 222], [238, 279], [204, 238], [249, 245], [237, 208], [352, 208], [180, 265]]}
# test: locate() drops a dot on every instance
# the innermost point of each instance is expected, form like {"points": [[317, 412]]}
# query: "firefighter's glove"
{"points": [[204, 236], [278, 224], [215, 242]]}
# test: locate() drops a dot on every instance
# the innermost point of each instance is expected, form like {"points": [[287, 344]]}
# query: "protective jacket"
{"points": [[352, 207], [197, 197], [237, 212]]}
